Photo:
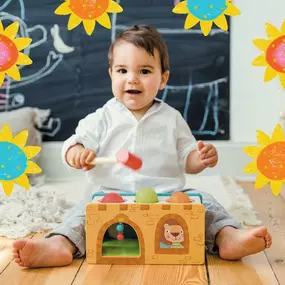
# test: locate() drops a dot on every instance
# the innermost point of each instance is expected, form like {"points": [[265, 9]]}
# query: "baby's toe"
{"points": [[14, 250], [268, 235], [268, 241], [17, 260], [268, 244], [268, 238]]}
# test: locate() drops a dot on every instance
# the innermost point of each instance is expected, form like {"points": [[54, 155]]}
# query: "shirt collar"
{"points": [[155, 107]]}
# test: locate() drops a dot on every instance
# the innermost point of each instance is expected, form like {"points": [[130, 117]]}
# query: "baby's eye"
{"points": [[122, 70], [145, 71]]}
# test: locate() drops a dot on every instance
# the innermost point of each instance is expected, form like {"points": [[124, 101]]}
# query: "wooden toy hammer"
{"points": [[123, 156]]}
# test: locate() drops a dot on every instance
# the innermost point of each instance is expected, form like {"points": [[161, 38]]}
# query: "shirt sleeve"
{"points": [[186, 142], [87, 133]]}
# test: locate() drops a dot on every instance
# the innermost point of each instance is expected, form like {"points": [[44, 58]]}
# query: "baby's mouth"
{"points": [[133, 91]]}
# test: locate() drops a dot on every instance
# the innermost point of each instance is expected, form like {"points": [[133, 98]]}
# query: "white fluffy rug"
{"points": [[35, 210], [42, 208]]}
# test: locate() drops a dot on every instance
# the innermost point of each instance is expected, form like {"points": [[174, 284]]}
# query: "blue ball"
{"points": [[120, 227]]}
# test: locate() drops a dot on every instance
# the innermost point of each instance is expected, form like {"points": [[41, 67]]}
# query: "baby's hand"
{"points": [[81, 158], [208, 154]]}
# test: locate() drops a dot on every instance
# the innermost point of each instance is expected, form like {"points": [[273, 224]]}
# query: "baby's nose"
{"points": [[132, 78], [175, 234]]}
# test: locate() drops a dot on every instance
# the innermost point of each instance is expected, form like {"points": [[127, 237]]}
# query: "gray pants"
{"points": [[73, 227]]}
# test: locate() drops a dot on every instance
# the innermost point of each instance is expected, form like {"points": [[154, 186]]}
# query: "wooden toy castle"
{"points": [[163, 233]]}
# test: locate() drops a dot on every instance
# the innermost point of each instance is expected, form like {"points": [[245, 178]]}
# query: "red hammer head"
{"points": [[128, 159]]}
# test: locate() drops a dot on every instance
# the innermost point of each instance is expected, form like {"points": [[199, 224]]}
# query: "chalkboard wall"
{"points": [[76, 83]]}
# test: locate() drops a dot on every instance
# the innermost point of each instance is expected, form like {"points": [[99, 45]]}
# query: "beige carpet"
{"points": [[44, 207]]}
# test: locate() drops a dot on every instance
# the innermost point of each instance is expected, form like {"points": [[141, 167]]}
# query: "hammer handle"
{"points": [[104, 160]]}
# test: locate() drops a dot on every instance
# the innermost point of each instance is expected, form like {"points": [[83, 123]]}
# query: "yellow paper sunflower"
{"points": [[269, 161], [89, 12], [10, 55], [274, 53], [14, 160], [206, 12]]}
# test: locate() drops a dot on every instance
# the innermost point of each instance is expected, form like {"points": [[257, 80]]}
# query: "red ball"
{"points": [[120, 236], [112, 198]]}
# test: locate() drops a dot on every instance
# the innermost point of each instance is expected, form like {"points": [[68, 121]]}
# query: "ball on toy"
{"points": [[120, 236], [179, 197], [119, 227], [146, 195], [112, 198]]}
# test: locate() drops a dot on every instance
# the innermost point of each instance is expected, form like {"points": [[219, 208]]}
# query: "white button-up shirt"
{"points": [[162, 139]]}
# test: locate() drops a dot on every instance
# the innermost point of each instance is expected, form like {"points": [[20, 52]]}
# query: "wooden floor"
{"points": [[264, 268]]}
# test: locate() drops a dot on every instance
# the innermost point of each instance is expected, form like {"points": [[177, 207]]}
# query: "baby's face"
{"points": [[136, 77]]}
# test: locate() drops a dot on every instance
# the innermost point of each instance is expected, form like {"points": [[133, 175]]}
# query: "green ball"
{"points": [[146, 195]]}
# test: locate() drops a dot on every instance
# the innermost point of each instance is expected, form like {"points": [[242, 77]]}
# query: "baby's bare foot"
{"points": [[54, 251], [236, 243]]}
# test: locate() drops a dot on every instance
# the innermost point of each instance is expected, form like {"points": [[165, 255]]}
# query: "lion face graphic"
{"points": [[173, 233]]}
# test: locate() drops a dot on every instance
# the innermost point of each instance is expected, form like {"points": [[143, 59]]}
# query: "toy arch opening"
{"points": [[131, 250]]}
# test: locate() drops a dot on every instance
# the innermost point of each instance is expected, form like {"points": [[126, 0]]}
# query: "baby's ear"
{"points": [[110, 72], [164, 79]]}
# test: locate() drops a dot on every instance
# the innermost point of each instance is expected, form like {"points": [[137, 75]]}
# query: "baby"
{"points": [[135, 119]]}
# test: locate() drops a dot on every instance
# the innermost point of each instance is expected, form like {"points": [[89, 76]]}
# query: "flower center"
{"points": [[271, 161], [275, 54], [13, 161], [206, 10], [89, 9], [8, 53]]}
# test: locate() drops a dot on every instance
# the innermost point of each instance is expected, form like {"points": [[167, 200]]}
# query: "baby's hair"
{"points": [[146, 37]]}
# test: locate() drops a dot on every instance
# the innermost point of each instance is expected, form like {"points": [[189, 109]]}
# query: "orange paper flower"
{"points": [[10, 55], [269, 160], [274, 53], [89, 12]]}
